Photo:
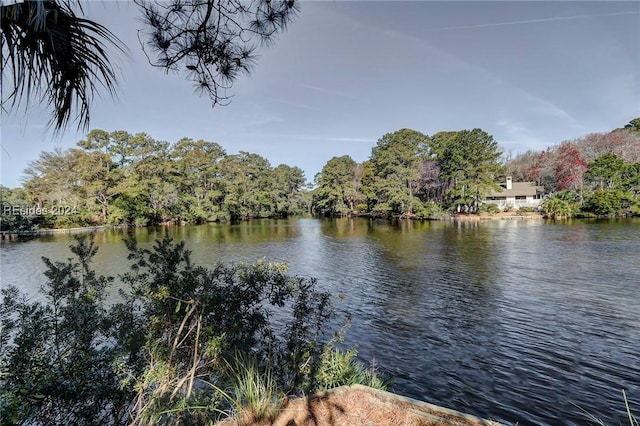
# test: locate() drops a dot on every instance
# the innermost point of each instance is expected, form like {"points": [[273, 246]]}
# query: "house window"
{"points": [[496, 198], [521, 197]]}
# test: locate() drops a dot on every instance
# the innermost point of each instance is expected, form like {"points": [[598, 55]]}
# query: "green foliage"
{"points": [[118, 178], [489, 208], [336, 193], [186, 344], [254, 393], [526, 209], [608, 203], [634, 125], [605, 172], [247, 186], [615, 186], [566, 165], [56, 363], [556, 207], [231, 306], [197, 178], [412, 175], [12, 203], [287, 197], [631, 179], [427, 210], [469, 166], [396, 161], [342, 368]]}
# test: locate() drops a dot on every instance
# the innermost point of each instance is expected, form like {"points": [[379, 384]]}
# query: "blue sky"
{"points": [[532, 74]]}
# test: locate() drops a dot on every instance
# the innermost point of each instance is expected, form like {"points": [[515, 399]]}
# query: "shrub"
{"points": [[197, 318], [608, 203], [557, 208], [427, 210], [161, 356], [525, 209], [585, 215], [56, 367], [490, 208], [493, 208], [339, 368]]}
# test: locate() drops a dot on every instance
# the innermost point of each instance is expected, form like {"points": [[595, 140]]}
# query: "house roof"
{"points": [[517, 188]]}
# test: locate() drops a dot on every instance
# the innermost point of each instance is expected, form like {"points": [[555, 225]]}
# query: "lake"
{"points": [[512, 320]]}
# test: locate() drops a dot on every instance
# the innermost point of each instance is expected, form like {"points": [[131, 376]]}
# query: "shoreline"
{"points": [[359, 404], [499, 216], [14, 235]]}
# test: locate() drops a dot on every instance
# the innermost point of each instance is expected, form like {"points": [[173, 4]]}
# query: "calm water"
{"points": [[509, 320]]}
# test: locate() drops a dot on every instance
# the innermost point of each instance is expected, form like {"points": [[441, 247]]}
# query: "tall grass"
{"points": [[633, 421], [254, 395], [339, 368]]}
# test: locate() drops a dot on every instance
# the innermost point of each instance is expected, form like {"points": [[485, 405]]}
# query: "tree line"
{"points": [[597, 174], [119, 178], [410, 174]]}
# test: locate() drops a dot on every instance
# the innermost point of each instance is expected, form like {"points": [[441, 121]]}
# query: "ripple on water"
{"points": [[507, 320]]}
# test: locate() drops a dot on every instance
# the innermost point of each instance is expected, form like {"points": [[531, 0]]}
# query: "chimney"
{"points": [[509, 182]]}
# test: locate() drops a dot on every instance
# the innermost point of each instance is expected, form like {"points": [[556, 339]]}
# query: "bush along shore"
{"points": [[185, 344]]}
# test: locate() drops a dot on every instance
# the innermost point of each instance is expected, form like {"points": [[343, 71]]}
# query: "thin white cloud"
{"points": [[513, 128], [259, 115], [526, 99], [516, 137], [328, 91], [534, 21], [347, 139], [544, 107], [307, 137], [289, 103], [333, 138], [261, 121]]}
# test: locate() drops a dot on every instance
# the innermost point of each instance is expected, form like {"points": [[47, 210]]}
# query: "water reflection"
{"points": [[511, 320]]}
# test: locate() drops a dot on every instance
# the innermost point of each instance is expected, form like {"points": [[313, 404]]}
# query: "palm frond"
{"points": [[55, 57]]}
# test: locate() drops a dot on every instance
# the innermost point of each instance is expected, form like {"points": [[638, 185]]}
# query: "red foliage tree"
{"points": [[570, 167]]}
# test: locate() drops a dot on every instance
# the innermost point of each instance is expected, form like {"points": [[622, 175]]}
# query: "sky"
{"points": [[532, 74]]}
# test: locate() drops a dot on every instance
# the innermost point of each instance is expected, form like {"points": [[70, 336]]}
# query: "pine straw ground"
{"points": [[360, 406]]}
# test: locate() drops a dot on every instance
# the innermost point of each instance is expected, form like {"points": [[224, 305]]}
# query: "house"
{"points": [[514, 195]]}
